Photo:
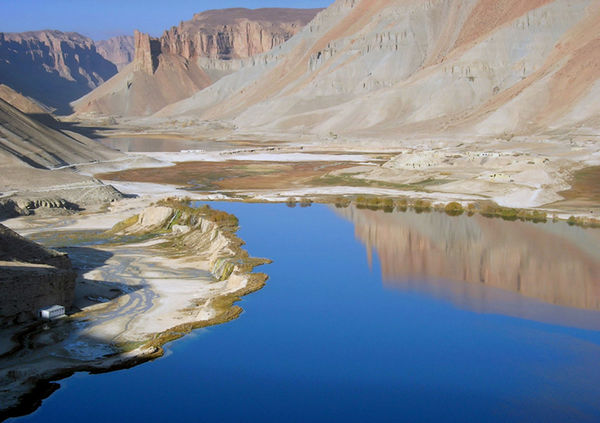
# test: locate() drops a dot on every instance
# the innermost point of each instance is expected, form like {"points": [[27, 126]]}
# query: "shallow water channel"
{"points": [[373, 316]]}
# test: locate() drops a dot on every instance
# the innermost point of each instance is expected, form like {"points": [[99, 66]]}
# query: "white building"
{"points": [[52, 312]]}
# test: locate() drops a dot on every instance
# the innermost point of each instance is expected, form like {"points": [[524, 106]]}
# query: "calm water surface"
{"points": [[365, 318]]}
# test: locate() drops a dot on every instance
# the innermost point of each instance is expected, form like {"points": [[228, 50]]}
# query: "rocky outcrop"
{"points": [[52, 66], [18, 206], [31, 277], [147, 50], [234, 33], [190, 57], [118, 50], [204, 233], [377, 68], [223, 34]]}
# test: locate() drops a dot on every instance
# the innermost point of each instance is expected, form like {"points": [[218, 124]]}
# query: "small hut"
{"points": [[52, 312]]}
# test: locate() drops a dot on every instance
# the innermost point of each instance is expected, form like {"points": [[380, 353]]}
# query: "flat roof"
{"points": [[52, 308]]}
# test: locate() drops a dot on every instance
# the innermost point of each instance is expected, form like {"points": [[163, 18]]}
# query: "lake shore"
{"points": [[530, 174], [139, 287], [129, 306]]}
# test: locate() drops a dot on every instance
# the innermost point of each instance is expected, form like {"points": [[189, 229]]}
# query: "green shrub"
{"points": [[388, 205], [124, 224], [585, 222], [305, 202], [454, 209], [538, 216], [422, 206], [508, 213], [471, 209], [401, 204], [342, 202]]}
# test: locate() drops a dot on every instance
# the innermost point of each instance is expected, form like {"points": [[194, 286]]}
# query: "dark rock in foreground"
{"points": [[31, 277]]}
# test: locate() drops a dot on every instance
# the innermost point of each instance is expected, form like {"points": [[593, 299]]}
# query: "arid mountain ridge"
{"points": [[234, 33], [191, 57], [53, 67], [38, 153], [432, 68]]}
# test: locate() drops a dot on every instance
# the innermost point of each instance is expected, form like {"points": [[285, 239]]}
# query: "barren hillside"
{"points": [[190, 57], [421, 68], [31, 157]]}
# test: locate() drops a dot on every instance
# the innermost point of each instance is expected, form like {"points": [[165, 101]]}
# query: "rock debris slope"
{"points": [[190, 57], [389, 67]]}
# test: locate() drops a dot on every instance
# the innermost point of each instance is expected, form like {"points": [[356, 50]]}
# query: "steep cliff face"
{"points": [[429, 68], [31, 277], [147, 52], [150, 82], [234, 33], [118, 50], [51, 66], [190, 57]]}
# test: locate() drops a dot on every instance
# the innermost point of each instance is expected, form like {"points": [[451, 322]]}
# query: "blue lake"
{"points": [[369, 316]]}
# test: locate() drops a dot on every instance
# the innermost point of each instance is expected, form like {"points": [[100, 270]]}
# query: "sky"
{"points": [[107, 18]]}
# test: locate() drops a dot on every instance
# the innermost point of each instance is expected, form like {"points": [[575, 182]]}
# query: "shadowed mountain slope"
{"points": [[26, 141], [52, 66], [24, 104]]}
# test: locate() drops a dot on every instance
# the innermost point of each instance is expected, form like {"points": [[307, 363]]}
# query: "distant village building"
{"points": [[52, 312]]}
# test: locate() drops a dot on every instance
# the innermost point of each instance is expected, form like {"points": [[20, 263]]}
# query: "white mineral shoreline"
{"points": [[128, 294]]}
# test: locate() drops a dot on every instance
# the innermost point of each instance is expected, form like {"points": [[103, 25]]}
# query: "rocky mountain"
{"points": [[234, 33], [51, 66], [421, 68], [118, 50], [190, 57]]}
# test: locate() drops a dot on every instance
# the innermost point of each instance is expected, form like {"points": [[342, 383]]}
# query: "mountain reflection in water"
{"points": [[553, 262]]}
